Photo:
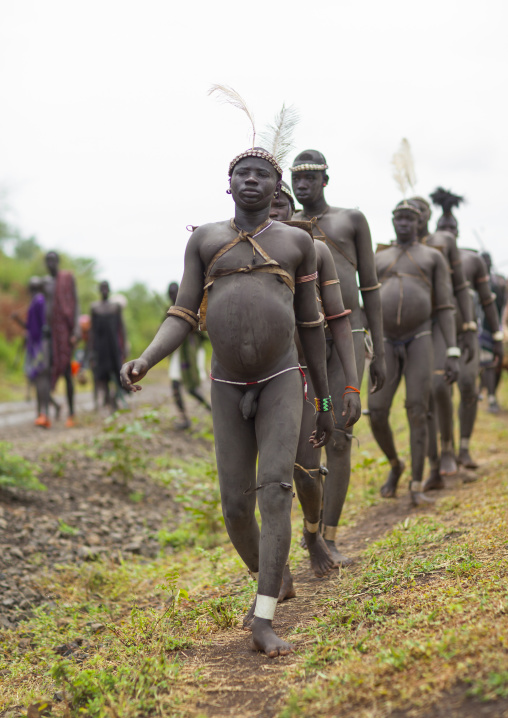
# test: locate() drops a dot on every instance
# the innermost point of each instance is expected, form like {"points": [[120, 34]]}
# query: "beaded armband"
{"points": [[339, 316], [444, 306], [370, 289], [464, 285], [330, 281], [323, 404], [498, 336], [314, 323], [453, 352], [306, 278], [470, 327], [352, 390], [184, 313], [489, 301], [486, 278]]}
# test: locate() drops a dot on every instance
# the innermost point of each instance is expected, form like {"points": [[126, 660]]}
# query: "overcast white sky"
{"points": [[109, 145]]}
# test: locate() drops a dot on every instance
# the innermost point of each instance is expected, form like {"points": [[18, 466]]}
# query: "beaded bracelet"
{"points": [[353, 389], [323, 404]]}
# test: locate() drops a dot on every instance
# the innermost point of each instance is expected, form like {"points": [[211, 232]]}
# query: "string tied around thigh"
{"points": [[283, 484]]}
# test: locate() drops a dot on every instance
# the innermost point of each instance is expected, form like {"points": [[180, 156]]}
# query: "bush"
{"points": [[16, 472]]}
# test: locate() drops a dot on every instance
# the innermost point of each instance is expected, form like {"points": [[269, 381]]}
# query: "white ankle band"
{"points": [[464, 443], [416, 486], [329, 533], [447, 446], [311, 528], [265, 607]]}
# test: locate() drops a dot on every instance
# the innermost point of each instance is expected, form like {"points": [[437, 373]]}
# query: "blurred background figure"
{"points": [[37, 359], [187, 367], [106, 348], [491, 370], [62, 322]]}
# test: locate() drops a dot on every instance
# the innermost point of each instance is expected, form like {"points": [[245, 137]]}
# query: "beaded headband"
{"points": [[422, 200], [255, 153], [288, 192], [308, 167], [405, 205]]}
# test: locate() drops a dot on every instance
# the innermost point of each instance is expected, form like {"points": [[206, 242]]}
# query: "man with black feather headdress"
{"points": [[476, 276]]}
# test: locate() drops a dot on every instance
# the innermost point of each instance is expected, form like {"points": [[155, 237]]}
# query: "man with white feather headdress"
{"points": [[415, 286], [259, 282]]}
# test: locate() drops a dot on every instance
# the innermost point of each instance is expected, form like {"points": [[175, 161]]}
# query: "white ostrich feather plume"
{"points": [[278, 137], [403, 167], [230, 96]]}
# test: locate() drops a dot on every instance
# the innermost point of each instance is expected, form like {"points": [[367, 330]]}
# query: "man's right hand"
{"points": [[323, 431], [132, 372], [451, 370]]}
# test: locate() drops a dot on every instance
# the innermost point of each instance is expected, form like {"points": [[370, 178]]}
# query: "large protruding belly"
{"points": [[250, 321], [406, 304]]}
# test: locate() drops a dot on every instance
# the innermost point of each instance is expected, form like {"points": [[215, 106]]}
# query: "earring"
{"points": [[324, 184], [228, 191], [276, 194]]}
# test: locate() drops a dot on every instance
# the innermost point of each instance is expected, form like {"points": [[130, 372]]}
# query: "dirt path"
{"points": [[240, 682]]}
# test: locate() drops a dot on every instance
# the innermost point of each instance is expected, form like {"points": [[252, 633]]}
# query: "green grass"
{"points": [[424, 612]]}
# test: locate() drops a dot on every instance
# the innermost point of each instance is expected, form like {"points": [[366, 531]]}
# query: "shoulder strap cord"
{"points": [[270, 266], [324, 238]]}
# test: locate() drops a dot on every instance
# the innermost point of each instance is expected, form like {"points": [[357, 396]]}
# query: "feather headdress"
{"points": [[403, 167], [230, 96], [446, 199], [278, 137]]}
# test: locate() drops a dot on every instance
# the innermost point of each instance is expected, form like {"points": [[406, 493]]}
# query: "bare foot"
{"points": [[469, 477], [287, 590], [447, 465], [389, 488], [339, 560], [249, 617], [265, 639], [419, 499], [434, 481], [321, 559], [465, 460]]}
